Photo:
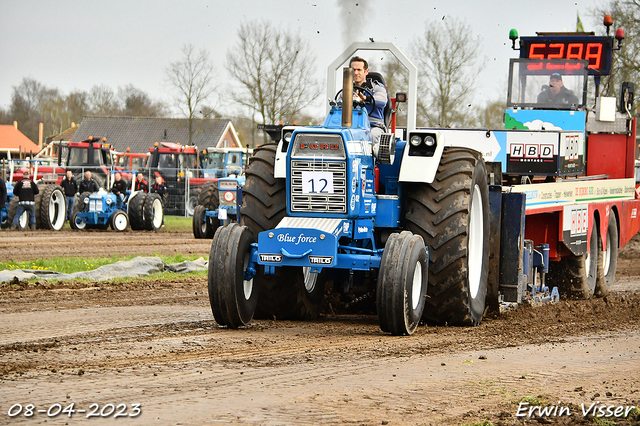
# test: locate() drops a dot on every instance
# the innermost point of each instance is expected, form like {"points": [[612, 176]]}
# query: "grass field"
{"points": [[70, 265]]}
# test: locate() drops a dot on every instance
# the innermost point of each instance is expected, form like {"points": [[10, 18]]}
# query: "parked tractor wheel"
{"points": [[52, 209], [402, 284], [77, 223], [135, 210], [153, 213], [119, 221], [12, 209], [576, 276], [233, 299], [285, 295], [452, 216], [192, 202], [208, 196], [201, 227], [608, 258]]}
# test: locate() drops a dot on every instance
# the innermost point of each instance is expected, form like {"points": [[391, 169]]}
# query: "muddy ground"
{"points": [[154, 343]]}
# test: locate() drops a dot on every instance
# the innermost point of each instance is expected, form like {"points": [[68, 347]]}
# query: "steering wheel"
{"points": [[357, 102]]}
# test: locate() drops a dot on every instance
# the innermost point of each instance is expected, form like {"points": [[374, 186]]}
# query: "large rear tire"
{"points": [[53, 208], [233, 299], [452, 216], [153, 212], [208, 196], [608, 258], [576, 276], [402, 284], [135, 210], [287, 294]]}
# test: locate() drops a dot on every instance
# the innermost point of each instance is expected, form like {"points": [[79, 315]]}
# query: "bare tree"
{"points": [[192, 80], [274, 69], [626, 61], [446, 57], [102, 100], [136, 103]]}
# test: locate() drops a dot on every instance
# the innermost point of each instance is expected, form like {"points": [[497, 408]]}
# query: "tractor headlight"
{"points": [[429, 140], [287, 137], [416, 140], [86, 200], [108, 201]]}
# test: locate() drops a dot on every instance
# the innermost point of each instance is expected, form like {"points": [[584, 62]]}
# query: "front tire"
{"points": [[119, 221], [201, 227], [233, 299], [451, 214], [77, 223], [402, 284]]}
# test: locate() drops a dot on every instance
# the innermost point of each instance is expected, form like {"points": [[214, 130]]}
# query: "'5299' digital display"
{"points": [[597, 50]]}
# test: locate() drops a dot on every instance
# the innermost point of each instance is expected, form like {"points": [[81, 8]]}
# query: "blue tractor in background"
{"points": [[218, 204], [99, 210], [218, 197]]}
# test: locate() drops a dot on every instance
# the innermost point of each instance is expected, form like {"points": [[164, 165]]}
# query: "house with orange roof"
{"points": [[14, 142]]}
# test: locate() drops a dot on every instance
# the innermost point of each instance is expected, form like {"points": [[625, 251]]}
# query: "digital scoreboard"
{"points": [[597, 50]]}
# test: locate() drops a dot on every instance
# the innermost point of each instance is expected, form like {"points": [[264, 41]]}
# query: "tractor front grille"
{"points": [[95, 205], [319, 203]]}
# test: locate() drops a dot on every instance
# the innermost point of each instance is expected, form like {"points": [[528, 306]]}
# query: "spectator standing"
{"points": [[70, 189], [119, 188], [88, 184], [25, 190], [160, 188], [141, 184]]}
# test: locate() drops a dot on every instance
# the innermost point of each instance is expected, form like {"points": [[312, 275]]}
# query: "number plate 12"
{"points": [[317, 183]]}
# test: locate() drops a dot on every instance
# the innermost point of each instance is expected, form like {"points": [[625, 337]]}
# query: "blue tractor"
{"points": [[218, 204], [100, 210], [326, 204]]}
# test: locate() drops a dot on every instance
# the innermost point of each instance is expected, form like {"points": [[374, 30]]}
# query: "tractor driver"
{"points": [[556, 93], [376, 116], [119, 188]]}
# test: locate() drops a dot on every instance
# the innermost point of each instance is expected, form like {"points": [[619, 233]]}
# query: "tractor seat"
{"points": [[376, 76]]}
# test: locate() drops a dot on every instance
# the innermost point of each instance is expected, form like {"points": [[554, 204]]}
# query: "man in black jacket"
{"points": [[25, 190], [88, 184], [141, 184], [119, 188], [70, 188]]}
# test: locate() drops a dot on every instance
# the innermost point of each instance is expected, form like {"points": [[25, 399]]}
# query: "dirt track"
{"points": [[155, 343]]}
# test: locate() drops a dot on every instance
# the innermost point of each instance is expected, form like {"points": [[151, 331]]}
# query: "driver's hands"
{"points": [[361, 96]]}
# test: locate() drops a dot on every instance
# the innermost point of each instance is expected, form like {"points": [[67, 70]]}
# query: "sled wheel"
{"points": [[608, 258], [233, 299], [576, 276], [402, 284]]}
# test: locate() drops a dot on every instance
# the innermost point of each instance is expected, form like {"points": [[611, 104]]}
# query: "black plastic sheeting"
{"points": [[136, 267]]}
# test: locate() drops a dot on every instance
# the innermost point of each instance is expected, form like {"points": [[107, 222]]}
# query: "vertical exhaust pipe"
{"points": [[347, 96]]}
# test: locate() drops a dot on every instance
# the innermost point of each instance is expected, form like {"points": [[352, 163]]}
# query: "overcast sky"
{"points": [[74, 45]]}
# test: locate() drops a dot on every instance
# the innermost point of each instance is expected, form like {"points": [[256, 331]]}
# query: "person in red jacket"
{"points": [[141, 184], [26, 191]]}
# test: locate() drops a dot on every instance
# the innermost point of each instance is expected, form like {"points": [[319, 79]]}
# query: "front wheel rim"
{"points": [[416, 287]]}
